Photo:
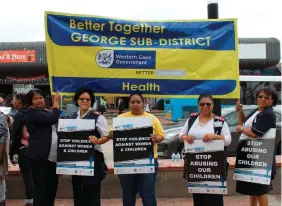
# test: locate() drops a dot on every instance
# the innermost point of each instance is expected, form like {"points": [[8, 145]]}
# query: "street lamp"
{"points": [[213, 14], [213, 9]]}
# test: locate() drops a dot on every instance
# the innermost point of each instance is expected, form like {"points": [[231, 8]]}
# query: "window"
{"points": [[232, 118], [278, 117]]}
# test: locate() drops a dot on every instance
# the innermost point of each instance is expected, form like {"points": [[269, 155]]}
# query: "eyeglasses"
{"points": [[205, 104], [84, 99], [263, 97]]}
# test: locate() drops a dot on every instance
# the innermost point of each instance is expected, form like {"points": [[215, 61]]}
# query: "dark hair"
{"points": [[82, 90], [270, 92], [205, 96], [21, 97], [29, 96], [138, 94]]}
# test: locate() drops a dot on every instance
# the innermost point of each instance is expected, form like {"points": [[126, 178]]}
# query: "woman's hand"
{"points": [[239, 128], [208, 137], [239, 107], [57, 100], [95, 140], [188, 138], [156, 138]]}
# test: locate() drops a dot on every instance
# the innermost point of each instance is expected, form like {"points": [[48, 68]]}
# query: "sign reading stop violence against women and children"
{"points": [[75, 153], [133, 146]]}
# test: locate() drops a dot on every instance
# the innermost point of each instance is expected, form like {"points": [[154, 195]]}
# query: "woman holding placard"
{"points": [[142, 183], [256, 124], [207, 127], [87, 189]]}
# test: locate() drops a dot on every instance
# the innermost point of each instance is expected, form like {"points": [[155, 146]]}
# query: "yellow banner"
{"points": [[157, 58]]}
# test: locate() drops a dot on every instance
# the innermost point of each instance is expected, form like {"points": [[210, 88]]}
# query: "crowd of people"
{"points": [[33, 146]]}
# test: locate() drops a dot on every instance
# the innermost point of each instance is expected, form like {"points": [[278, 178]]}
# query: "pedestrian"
{"points": [[201, 126], [87, 189], [147, 105], [4, 153], [120, 106], [143, 183], [42, 146], [19, 145], [256, 124]]}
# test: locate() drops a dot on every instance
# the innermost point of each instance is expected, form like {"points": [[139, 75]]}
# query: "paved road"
{"points": [[228, 201]]}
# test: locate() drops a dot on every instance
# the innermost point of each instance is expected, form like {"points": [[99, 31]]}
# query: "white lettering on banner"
{"points": [[206, 157], [142, 143], [136, 149], [121, 139], [253, 150], [204, 163], [77, 151], [204, 176], [252, 163], [128, 144], [80, 141], [85, 146], [67, 145], [254, 143], [139, 138]]}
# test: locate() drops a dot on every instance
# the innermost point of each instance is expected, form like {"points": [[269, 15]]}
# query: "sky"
{"points": [[24, 20]]}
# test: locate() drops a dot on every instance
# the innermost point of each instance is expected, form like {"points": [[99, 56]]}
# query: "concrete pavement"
{"points": [[228, 201]]}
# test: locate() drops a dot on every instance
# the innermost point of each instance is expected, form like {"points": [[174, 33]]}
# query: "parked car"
{"points": [[172, 144]]}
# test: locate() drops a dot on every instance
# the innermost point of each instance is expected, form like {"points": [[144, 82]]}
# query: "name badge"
{"points": [[217, 124]]}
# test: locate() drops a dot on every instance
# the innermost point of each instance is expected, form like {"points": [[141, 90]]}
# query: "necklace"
{"points": [[203, 124]]}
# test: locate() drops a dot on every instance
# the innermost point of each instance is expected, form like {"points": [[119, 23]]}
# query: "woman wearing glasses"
{"points": [[207, 127], [256, 124], [87, 189]]}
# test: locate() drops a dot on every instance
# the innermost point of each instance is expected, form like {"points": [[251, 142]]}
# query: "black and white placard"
{"points": [[75, 153], [206, 167], [254, 158], [133, 146]]}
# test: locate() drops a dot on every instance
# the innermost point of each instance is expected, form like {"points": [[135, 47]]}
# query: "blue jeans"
{"points": [[145, 184]]}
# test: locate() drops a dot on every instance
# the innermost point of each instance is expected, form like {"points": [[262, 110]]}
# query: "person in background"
{"points": [[87, 189], [147, 105], [143, 183], [103, 105], [256, 124], [19, 145], [202, 127], [120, 106], [1, 101], [42, 146], [4, 153]]}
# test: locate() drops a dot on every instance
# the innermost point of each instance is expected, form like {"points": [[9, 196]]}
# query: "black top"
{"points": [[39, 126], [17, 131], [264, 121]]}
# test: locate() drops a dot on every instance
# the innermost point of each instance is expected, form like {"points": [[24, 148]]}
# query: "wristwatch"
{"points": [[242, 129]]}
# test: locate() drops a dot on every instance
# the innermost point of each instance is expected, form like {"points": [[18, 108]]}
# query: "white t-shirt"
{"points": [[101, 125], [199, 130], [249, 124], [53, 151]]}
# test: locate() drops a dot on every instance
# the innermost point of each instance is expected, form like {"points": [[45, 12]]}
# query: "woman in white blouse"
{"points": [[207, 127]]}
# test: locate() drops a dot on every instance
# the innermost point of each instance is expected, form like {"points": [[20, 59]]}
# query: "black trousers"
{"points": [[208, 200], [85, 194], [45, 182], [25, 169]]}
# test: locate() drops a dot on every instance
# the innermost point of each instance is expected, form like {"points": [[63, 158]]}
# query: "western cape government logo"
{"points": [[129, 59]]}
